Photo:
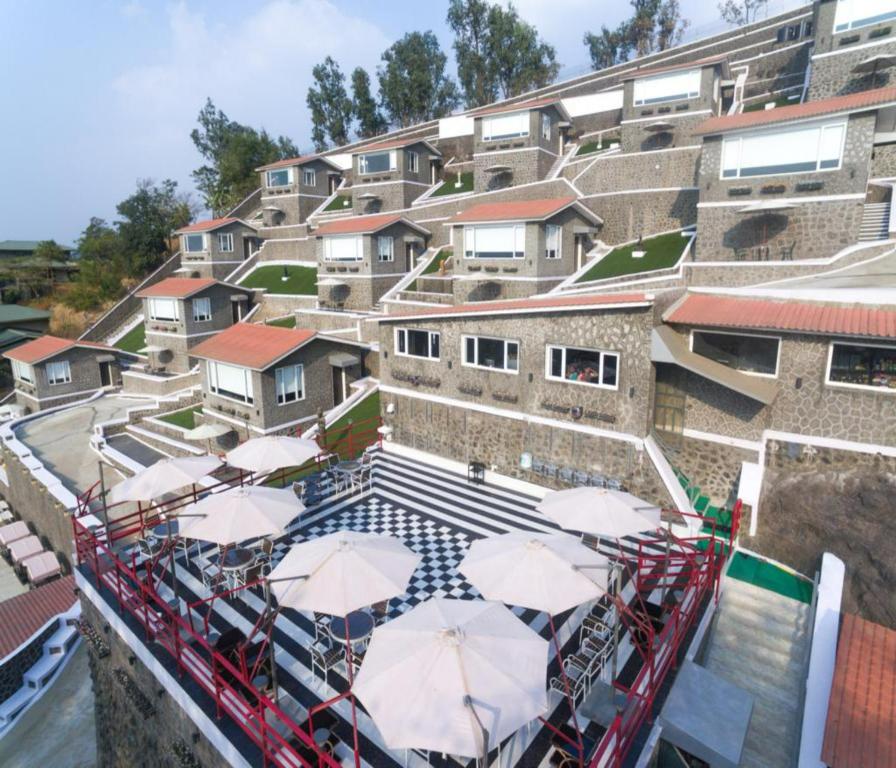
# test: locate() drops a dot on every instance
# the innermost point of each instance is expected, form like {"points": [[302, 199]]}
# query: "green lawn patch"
{"points": [[184, 419], [662, 252], [284, 322], [779, 101], [299, 280], [769, 576], [587, 149], [339, 203], [448, 188], [134, 340], [368, 408], [434, 265]]}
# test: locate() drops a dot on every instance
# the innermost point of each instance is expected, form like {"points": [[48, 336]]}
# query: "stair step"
{"points": [[61, 639], [42, 670]]}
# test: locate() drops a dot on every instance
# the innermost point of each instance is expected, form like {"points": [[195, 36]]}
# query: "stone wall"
{"points": [[637, 138], [628, 217], [289, 248], [13, 670], [277, 305], [527, 165], [641, 170], [712, 466], [136, 382], [883, 161]]}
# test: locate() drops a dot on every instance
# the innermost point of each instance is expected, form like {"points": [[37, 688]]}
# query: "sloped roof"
{"points": [[177, 287], [21, 616], [208, 225], [365, 225], [853, 102], [49, 346], [12, 313], [252, 345], [394, 144], [695, 64], [294, 161], [784, 315], [861, 725], [521, 210], [517, 107], [27, 245]]}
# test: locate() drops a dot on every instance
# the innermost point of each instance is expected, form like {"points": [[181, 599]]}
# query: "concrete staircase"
{"points": [[875, 222], [759, 643]]}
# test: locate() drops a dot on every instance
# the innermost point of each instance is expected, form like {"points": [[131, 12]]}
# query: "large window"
{"points": [[163, 309], [511, 126], [502, 241], [790, 150], [290, 384], [377, 162], [343, 248], [552, 241], [413, 162], [280, 178], [194, 243], [59, 373], [202, 309], [309, 177], [673, 86], [417, 343], [852, 14], [487, 352], [750, 354], [225, 242], [385, 248], [862, 366], [230, 381], [545, 126], [583, 366], [22, 371]]}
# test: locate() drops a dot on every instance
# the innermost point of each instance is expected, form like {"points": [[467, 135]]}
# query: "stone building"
{"points": [[389, 175], [49, 371], [292, 189], [516, 249], [359, 258], [216, 247], [264, 379], [180, 312]]}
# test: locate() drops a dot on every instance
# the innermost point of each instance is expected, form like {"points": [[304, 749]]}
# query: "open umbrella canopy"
{"points": [[207, 431], [342, 572], [164, 477], [550, 572], [600, 512], [420, 667], [874, 64], [239, 514], [266, 454]]}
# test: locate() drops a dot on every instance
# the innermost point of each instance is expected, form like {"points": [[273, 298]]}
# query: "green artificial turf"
{"points": [[134, 340], [662, 251], [780, 101], [184, 419], [284, 322], [448, 188], [300, 280], [368, 408], [587, 149], [339, 203], [763, 574], [434, 265]]}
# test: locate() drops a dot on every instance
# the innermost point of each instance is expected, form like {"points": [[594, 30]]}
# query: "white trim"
{"points": [[517, 311], [664, 116], [854, 342], [252, 427], [514, 151], [788, 200], [734, 442], [465, 337], [365, 184], [642, 191], [354, 276], [850, 48], [289, 194], [181, 335], [60, 397], [564, 348], [430, 357]]}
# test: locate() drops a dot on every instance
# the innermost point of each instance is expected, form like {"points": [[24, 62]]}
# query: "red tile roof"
{"points": [[523, 306], [21, 616], [364, 225], [853, 102], [177, 287], [784, 315], [392, 144], [290, 161], [704, 62], [207, 225], [516, 210], [252, 345], [49, 346], [517, 107], [861, 726]]}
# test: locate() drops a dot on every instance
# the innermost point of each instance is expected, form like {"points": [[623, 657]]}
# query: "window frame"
{"points": [[779, 339], [186, 242], [332, 238], [511, 225], [861, 23], [668, 99], [547, 126], [299, 378], [362, 162], [200, 317], [151, 309], [487, 120], [232, 396], [413, 161], [476, 337], [309, 173], [225, 237], [18, 367], [273, 171], [549, 348], [846, 384], [66, 376], [380, 239], [558, 251], [403, 332]]}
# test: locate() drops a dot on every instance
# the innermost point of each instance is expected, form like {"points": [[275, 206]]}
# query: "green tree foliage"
{"points": [[655, 25], [370, 120], [101, 267], [330, 106], [232, 153], [469, 20], [609, 47], [414, 86], [740, 12], [46, 254], [521, 61]]}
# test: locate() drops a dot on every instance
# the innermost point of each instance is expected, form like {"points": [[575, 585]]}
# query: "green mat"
{"points": [[763, 574]]}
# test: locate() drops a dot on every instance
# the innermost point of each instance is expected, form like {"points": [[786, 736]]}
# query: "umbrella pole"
{"points": [[267, 608], [351, 682], [173, 557], [572, 704], [616, 590]]}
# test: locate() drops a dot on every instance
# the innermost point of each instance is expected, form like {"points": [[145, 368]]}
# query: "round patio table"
{"points": [[236, 558], [348, 467], [161, 531], [360, 626]]}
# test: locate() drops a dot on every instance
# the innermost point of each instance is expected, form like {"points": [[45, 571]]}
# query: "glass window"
{"points": [[509, 126], [59, 372], [487, 352], [163, 309], [309, 177], [583, 366], [280, 178], [376, 162], [552, 241], [202, 309], [792, 150], [852, 14], [290, 384], [673, 86], [343, 248], [230, 381], [415, 343], [545, 126], [22, 371], [413, 162], [385, 245], [194, 243], [495, 241], [225, 242], [863, 366], [750, 354]]}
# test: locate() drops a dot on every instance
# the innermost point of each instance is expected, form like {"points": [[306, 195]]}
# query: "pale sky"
{"points": [[100, 93]]}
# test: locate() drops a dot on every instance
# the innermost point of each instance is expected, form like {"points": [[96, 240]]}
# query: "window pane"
{"points": [[676, 85], [611, 367], [194, 243], [491, 353], [869, 366], [225, 243], [434, 344], [852, 14], [557, 363], [470, 351], [378, 162], [582, 365], [231, 381], [495, 242], [278, 178], [552, 241], [418, 343], [343, 248], [505, 126], [163, 309], [751, 354], [385, 244], [402, 341], [202, 309], [513, 356]]}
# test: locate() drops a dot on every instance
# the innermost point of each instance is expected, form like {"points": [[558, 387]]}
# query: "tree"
{"points": [[521, 61], [331, 108], [670, 27], [740, 12], [469, 20], [46, 254], [232, 153], [655, 25], [370, 120], [101, 267], [609, 47], [414, 87]]}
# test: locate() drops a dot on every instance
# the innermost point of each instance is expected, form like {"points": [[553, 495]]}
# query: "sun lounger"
{"points": [[26, 547], [13, 532], [41, 567]]}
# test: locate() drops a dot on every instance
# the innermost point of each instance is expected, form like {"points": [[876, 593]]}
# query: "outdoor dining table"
{"points": [[234, 563], [360, 627], [348, 469], [166, 530]]}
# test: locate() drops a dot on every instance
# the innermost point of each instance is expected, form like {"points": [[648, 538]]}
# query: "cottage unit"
{"points": [[292, 189], [390, 175], [214, 248], [517, 143], [49, 371], [361, 257], [180, 312], [516, 249], [263, 379]]}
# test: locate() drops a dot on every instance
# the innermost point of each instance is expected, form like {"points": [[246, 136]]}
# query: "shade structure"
{"points": [[164, 477], [660, 126], [550, 572], [266, 454], [600, 512], [152, 348], [874, 64], [420, 667], [343, 572], [242, 513], [207, 431]]}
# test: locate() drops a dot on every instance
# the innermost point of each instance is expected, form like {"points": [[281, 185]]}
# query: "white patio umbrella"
{"points": [[208, 432], [266, 454], [600, 512], [164, 477], [453, 676], [241, 513]]}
